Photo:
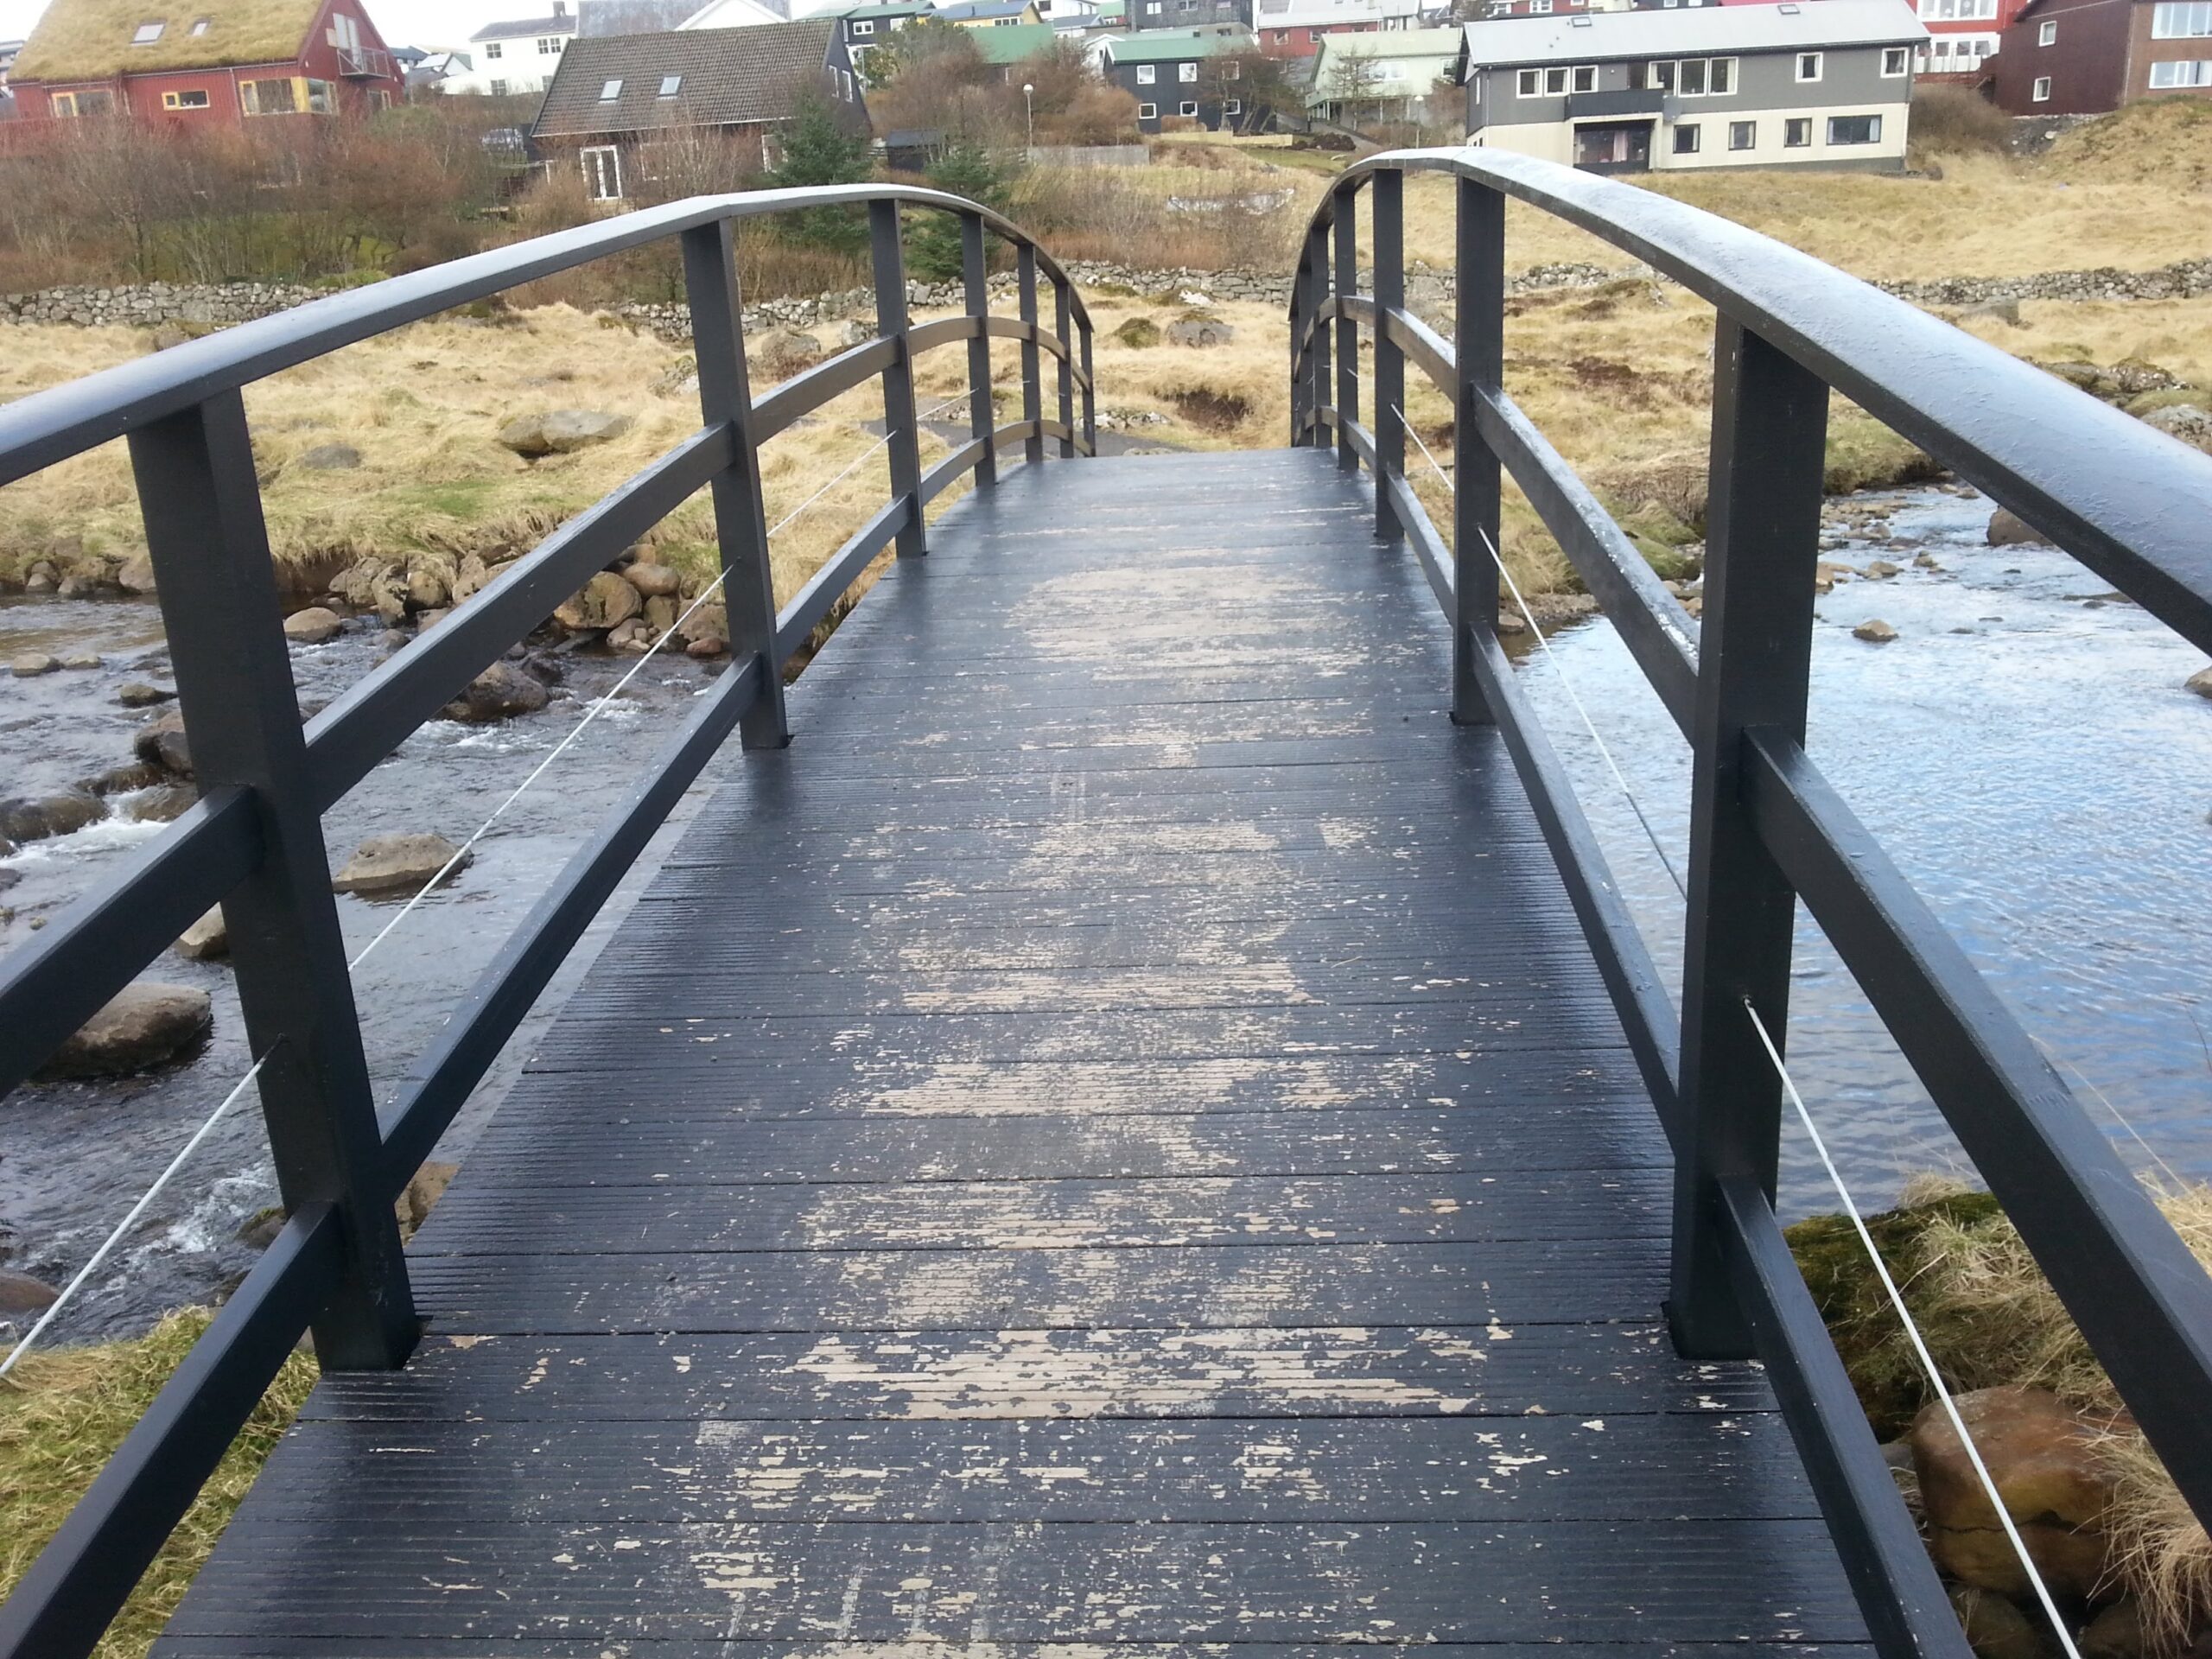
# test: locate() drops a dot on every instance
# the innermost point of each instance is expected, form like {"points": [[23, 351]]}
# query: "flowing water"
{"points": [[2025, 751]]}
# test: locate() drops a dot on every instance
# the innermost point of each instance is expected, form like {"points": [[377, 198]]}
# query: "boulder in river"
{"points": [[2008, 529], [314, 626], [31, 664], [144, 1025], [139, 695], [36, 817], [383, 863], [162, 744], [207, 938], [500, 692], [2189, 423], [2047, 1467], [653, 581], [606, 601], [136, 575], [2199, 683], [560, 432], [20, 1293], [78, 661], [1874, 631]]}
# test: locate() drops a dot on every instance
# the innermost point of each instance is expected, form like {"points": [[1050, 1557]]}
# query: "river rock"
{"points": [[653, 581], [31, 664], [144, 1025], [782, 351], [331, 458], [314, 626], [1874, 631], [206, 939], [37, 817], [470, 578], [660, 614], [384, 862], [429, 582], [1994, 1628], [562, 432], [706, 648], [162, 744], [422, 1193], [500, 692], [1881, 571], [165, 805], [20, 1293], [606, 601], [2199, 683], [2116, 1633], [2045, 1465], [136, 575], [2187, 421], [1198, 332], [2008, 529]]}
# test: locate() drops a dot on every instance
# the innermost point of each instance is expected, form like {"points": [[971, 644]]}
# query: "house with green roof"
{"points": [[1004, 47], [1387, 75], [1186, 74], [865, 26]]}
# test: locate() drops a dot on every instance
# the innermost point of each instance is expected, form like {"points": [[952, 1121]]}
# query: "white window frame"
{"points": [[250, 97], [1873, 131], [1232, 106], [1528, 83], [1188, 109], [1716, 70], [322, 97], [176, 100], [499, 89], [550, 46], [671, 85], [1555, 82], [2198, 70], [1691, 130], [594, 177], [2182, 20], [1750, 131], [1187, 73], [492, 50], [1682, 67], [1147, 112], [1818, 60], [1900, 55], [1147, 74], [2047, 32], [148, 32], [1796, 124], [863, 25], [610, 91], [1539, 8], [201, 26], [1584, 78], [2040, 91], [1659, 76]]}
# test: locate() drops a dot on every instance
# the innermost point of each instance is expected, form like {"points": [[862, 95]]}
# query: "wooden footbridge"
{"points": [[1136, 1124]]}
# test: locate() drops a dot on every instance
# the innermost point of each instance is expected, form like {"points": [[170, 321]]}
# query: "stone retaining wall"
{"points": [[154, 304]]}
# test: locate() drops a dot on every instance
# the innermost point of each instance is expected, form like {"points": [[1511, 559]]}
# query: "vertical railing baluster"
{"points": [[982, 419], [1063, 331], [1033, 380], [1477, 483], [1318, 390], [1388, 237], [210, 546], [741, 514], [1302, 358], [901, 428], [1089, 391], [1770, 423], [1345, 228]]}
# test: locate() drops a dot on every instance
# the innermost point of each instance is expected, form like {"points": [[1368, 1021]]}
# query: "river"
{"points": [[2024, 750]]}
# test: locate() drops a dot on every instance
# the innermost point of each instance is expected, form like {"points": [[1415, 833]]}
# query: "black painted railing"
{"points": [[1766, 830], [254, 841]]}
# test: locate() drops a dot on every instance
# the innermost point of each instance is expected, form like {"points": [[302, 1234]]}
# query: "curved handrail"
{"points": [[49, 426], [2127, 500]]}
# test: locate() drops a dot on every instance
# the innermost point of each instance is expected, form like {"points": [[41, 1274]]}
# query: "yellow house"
{"points": [[989, 14]]}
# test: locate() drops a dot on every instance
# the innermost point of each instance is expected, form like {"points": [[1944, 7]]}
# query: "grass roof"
{"points": [[90, 40]]}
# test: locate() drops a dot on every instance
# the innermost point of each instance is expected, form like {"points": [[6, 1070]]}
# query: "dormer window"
{"points": [[671, 85], [610, 91], [201, 26], [149, 32]]}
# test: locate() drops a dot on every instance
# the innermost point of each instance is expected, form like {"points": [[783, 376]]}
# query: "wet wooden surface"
{"points": [[1109, 1147]]}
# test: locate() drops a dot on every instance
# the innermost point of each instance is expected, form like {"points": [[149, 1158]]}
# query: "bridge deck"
{"points": [[1112, 1138]]}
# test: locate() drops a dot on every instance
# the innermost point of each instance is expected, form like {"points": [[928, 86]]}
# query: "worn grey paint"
{"points": [[1851, 80]]}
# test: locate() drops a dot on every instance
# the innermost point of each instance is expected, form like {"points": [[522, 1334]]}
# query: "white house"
{"points": [[733, 14], [516, 56], [1385, 75]]}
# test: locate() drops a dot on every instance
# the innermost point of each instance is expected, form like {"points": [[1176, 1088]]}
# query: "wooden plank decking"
{"points": [[1111, 1144]]}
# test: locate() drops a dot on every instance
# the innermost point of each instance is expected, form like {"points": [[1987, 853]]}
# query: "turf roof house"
{"points": [[1806, 83], [615, 99], [224, 62]]}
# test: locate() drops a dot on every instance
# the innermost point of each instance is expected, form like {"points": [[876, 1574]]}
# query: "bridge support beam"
{"points": [[1769, 430], [210, 547], [900, 428], [1476, 487], [740, 520], [1388, 202]]}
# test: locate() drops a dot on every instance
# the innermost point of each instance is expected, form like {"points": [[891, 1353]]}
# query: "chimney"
{"points": [[560, 7]]}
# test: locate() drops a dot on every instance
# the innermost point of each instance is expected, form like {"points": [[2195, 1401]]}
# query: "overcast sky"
{"points": [[402, 23]]}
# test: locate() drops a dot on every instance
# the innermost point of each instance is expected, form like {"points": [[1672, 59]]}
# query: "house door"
{"points": [[1622, 147], [603, 174]]}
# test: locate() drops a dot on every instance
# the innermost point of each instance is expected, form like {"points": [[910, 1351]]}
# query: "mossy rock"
{"points": [[2151, 401], [1864, 454], [1667, 561], [1139, 333], [1857, 1309]]}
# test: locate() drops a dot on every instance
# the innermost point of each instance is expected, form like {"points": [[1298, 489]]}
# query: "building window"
{"points": [[671, 85], [1147, 112], [550, 46], [268, 97], [2178, 72], [1662, 76], [1797, 132], [1743, 134], [1186, 71], [602, 173], [1146, 73], [1689, 78], [147, 33], [1186, 108], [609, 90], [1808, 66], [2041, 92], [379, 100], [1686, 139], [1555, 83], [194, 100], [1585, 78], [1232, 70], [319, 101], [1528, 83], [1232, 106], [201, 26], [1894, 61], [1722, 76], [1854, 129], [863, 25], [499, 89], [492, 49], [2047, 34], [2181, 20]]}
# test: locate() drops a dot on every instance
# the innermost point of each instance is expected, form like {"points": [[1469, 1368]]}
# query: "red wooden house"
{"points": [[226, 62]]}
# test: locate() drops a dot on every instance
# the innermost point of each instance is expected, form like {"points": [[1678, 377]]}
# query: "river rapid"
{"points": [[2024, 750]]}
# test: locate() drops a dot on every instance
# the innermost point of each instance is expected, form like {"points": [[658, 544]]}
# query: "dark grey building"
{"points": [[1188, 14], [1173, 74], [1806, 83]]}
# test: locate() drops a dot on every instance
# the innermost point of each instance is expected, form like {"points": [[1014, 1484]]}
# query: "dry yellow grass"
{"points": [[89, 40]]}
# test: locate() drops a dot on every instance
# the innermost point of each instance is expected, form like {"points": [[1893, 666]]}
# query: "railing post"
{"points": [[1345, 226], [1317, 387], [1770, 425], [1478, 485], [1089, 391], [1389, 191], [1033, 380], [1063, 331], [1301, 386], [899, 424], [740, 512], [982, 419], [210, 547]]}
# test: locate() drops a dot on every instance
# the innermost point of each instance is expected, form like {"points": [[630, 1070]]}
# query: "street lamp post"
{"points": [[1029, 110]]}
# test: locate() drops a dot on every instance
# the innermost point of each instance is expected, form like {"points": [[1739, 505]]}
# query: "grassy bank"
{"points": [[62, 1414]]}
